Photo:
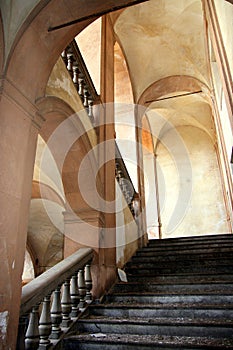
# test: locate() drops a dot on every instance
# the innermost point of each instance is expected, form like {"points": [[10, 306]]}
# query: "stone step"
{"points": [[144, 263], [163, 298], [159, 325], [207, 238], [201, 251], [143, 342], [207, 311], [171, 287], [160, 258], [176, 269], [190, 245], [181, 278]]}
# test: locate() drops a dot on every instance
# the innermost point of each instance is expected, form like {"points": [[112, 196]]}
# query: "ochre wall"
{"points": [[204, 212]]}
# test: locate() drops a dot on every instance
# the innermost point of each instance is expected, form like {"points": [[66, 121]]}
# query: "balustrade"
{"points": [[125, 183], [81, 78], [52, 302]]}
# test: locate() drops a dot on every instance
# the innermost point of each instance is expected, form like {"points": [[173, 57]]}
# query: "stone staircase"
{"points": [[179, 295]]}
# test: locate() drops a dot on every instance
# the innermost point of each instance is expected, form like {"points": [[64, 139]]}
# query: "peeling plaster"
{"points": [[3, 324]]}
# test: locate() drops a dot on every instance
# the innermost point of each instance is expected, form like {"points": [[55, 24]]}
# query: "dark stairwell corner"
{"points": [[179, 295]]}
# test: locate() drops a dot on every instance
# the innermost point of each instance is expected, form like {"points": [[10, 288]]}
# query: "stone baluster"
{"points": [[118, 173], [66, 304], [32, 334], [70, 63], [74, 295], [88, 283], [81, 289], [64, 57], [76, 76], [121, 180], [56, 314], [90, 111], [81, 87], [45, 324], [85, 101], [22, 326], [127, 196]]}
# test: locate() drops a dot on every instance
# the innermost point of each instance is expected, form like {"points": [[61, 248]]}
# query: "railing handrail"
{"points": [[34, 291], [83, 68]]}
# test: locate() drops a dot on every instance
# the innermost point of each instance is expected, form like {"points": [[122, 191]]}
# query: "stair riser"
{"points": [[207, 299], [180, 264], [170, 329], [179, 278], [180, 259], [188, 253], [177, 270], [187, 288], [189, 243], [173, 312], [209, 238], [77, 345]]}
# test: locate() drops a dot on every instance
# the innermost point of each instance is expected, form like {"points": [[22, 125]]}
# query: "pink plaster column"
{"points": [[18, 136]]}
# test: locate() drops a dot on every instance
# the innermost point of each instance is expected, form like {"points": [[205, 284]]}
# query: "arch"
{"points": [[31, 71], [68, 152], [48, 193], [171, 84]]}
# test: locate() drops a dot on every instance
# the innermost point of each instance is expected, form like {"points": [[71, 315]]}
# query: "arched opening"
{"points": [[183, 133]]}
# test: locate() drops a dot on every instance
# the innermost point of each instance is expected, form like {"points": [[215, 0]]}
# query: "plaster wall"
{"points": [[124, 109], [150, 195], [204, 212], [89, 43], [41, 174], [225, 14], [61, 85]]}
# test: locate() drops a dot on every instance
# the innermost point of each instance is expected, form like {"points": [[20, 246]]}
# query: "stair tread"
{"points": [[164, 306], [171, 321], [164, 283], [178, 293], [174, 341]]}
